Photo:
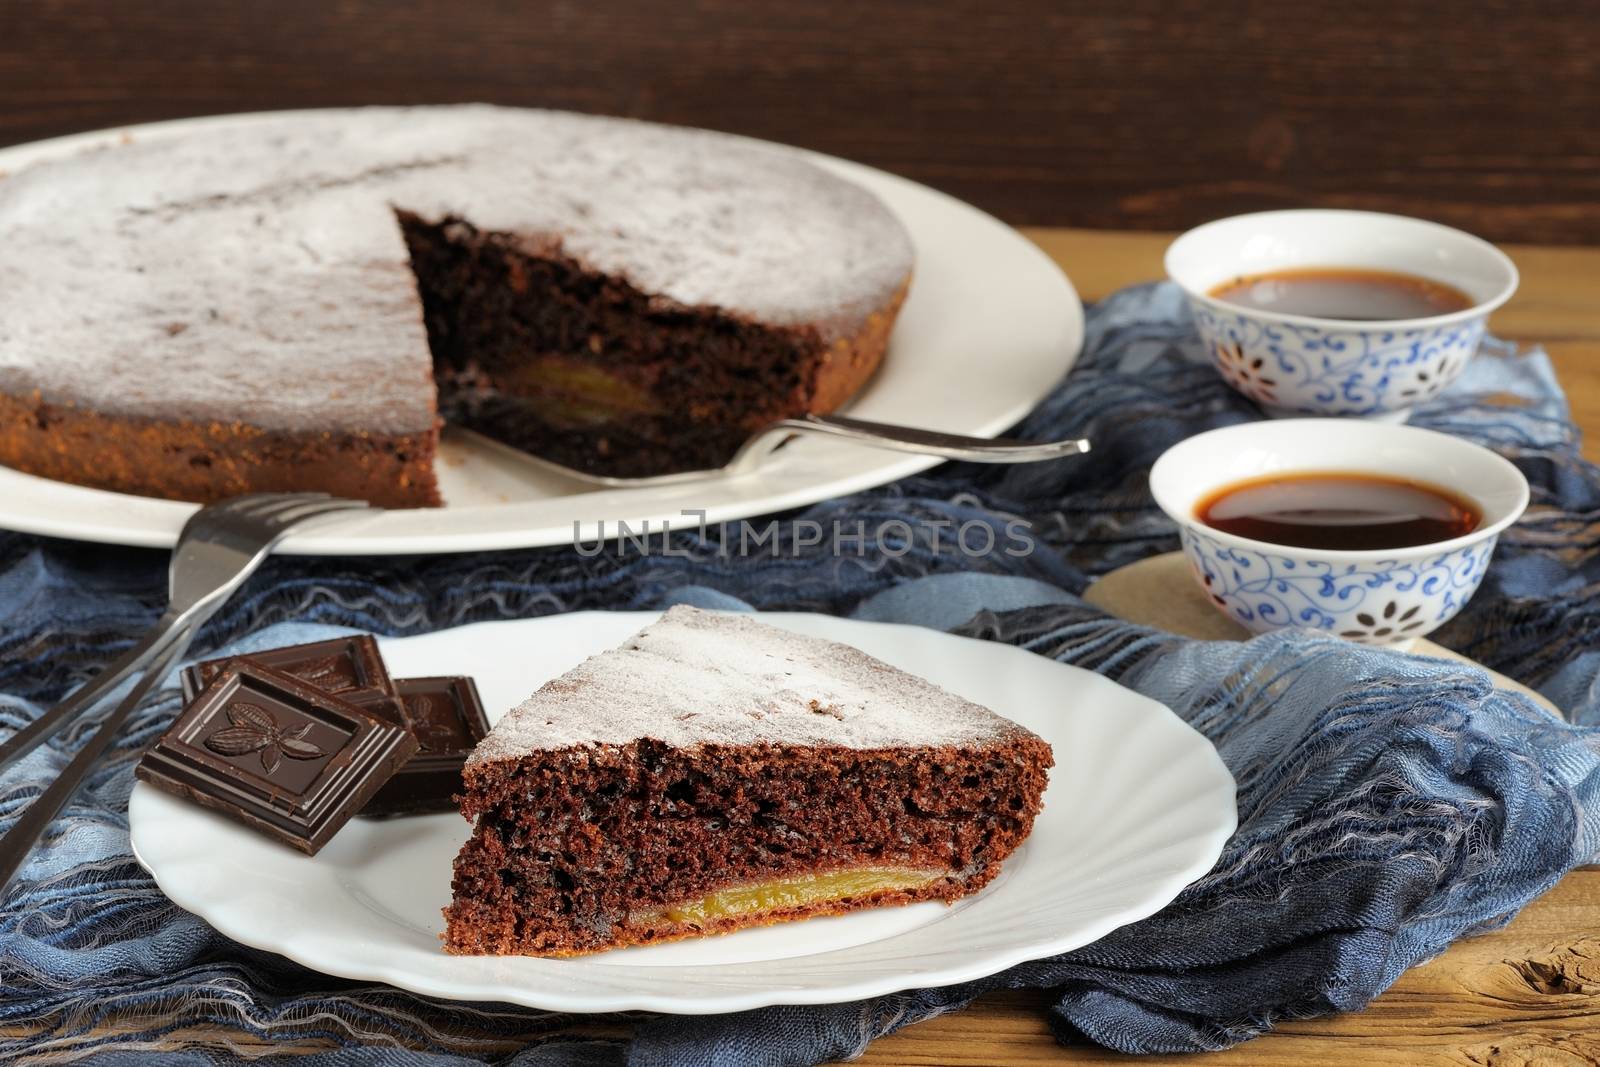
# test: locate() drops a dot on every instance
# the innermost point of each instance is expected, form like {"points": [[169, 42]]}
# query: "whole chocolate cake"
{"points": [[291, 303], [715, 773]]}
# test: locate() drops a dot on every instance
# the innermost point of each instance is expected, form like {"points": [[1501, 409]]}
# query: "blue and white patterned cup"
{"points": [[1386, 597], [1295, 365]]}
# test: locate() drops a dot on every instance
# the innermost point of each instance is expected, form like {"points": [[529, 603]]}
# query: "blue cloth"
{"points": [[1388, 804]]}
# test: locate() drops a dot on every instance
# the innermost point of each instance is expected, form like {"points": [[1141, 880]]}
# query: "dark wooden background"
{"points": [[1127, 113]]}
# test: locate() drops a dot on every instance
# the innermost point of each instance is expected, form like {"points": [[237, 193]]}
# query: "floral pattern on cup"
{"points": [[1248, 374], [1389, 621], [1321, 371], [1379, 602]]}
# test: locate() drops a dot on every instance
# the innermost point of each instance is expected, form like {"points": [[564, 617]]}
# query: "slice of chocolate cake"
{"points": [[715, 773]]}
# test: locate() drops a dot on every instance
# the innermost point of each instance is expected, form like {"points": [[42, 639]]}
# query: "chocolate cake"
{"points": [[715, 773], [290, 302]]}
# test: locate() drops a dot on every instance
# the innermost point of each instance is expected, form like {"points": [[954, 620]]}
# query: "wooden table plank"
{"points": [[1525, 994], [1529, 993], [1115, 113]]}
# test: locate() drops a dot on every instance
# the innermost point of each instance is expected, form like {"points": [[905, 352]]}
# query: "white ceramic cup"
{"points": [[1300, 365], [1386, 597]]}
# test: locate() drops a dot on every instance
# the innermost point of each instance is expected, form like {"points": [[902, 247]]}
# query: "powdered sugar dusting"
{"points": [[256, 271], [700, 677]]}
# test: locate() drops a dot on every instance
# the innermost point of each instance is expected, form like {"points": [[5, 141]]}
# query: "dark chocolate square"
{"points": [[277, 754], [348, 667], [446, 716]]}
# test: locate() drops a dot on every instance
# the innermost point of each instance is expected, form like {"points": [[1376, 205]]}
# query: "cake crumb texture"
{"points": [[806, 756]]}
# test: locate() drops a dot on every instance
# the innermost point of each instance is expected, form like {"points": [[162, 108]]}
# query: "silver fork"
{"points": [[220, 546], [766, 440]]}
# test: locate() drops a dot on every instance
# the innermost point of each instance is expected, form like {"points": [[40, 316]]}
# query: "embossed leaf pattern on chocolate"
{"points": [[253, 728], [432, 735], [236, 740], [292, 743], [252, 717], [328, 672]]}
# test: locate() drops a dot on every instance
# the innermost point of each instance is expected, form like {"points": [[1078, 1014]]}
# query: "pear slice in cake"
{"points": [[715, 773]]}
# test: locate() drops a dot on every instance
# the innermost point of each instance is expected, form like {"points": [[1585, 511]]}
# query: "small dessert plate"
{"points": [[1139, 805]]}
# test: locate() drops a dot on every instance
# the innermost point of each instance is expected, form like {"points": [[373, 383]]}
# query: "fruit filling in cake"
{"points": [[715, 773], [533, 349], [797, 891]]}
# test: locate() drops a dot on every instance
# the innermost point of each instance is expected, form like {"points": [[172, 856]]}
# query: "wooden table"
{"points": [[1527, 994]]}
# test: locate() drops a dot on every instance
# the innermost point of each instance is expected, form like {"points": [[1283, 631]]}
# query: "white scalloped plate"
{"points": [[1139, 805], [991, 324]]}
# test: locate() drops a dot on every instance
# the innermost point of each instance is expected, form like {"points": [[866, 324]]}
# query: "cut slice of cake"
{"points": [[715, 773]]}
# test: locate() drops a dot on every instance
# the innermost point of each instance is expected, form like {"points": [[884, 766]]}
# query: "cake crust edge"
{"points": [[204, 462], [479, 926]]}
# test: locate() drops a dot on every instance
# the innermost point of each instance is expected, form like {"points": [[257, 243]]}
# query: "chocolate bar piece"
{"points": [[277, 754], [446, 716], [348, 667]]}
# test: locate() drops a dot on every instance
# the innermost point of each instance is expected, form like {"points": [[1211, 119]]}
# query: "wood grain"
{"points": [[1110, 113], [1525, 995]]}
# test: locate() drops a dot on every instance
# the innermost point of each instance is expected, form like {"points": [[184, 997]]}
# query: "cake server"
{"points": [[221, 545], [882, 435]]}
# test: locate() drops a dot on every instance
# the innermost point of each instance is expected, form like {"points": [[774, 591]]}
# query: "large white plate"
{"points": [[990, 325], [1138, 806]]}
